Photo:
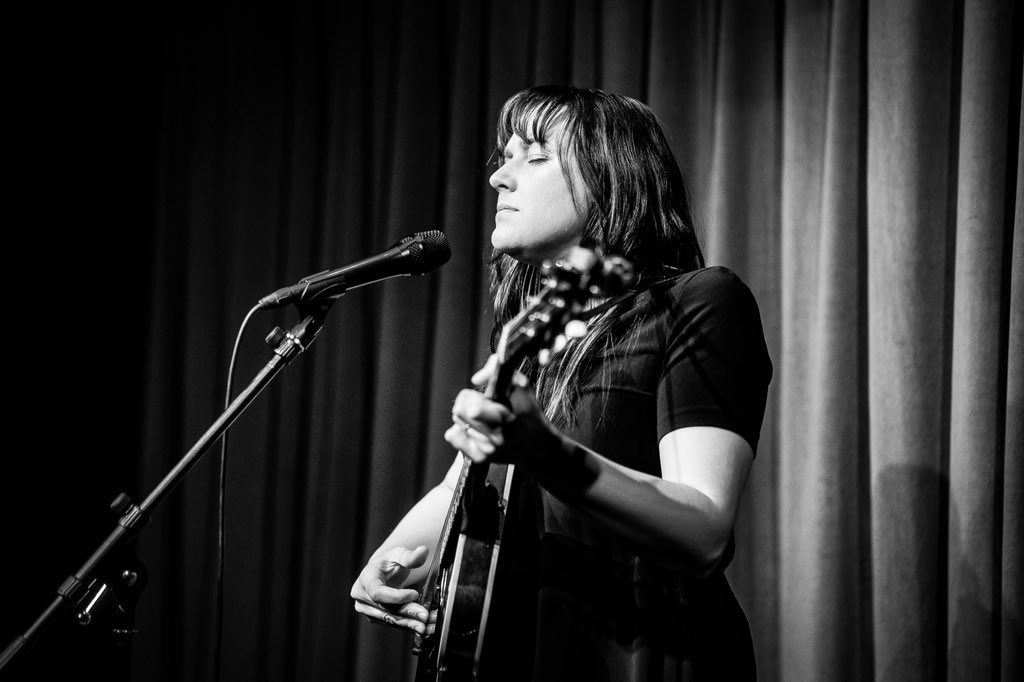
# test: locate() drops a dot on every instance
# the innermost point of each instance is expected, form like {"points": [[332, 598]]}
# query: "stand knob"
{"points": [[120, 505], [275, 337]]}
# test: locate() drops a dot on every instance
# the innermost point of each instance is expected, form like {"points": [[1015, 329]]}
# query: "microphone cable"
{"points": [[221, 488]]}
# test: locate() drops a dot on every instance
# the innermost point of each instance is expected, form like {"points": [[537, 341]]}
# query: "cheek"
{"points": [[563, 210], [553, 193]]}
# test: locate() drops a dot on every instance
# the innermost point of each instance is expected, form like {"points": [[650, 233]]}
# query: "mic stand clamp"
{"points": [[110, 599]]}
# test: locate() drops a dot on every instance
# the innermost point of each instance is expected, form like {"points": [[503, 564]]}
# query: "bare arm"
{"points": [[384, 591], [682, 520]]}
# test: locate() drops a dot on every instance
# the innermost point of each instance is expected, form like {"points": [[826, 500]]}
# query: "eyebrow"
{"points": [[525, 145]]}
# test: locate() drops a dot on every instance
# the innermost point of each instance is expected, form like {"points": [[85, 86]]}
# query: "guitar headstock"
{"points": [[554, 314]]}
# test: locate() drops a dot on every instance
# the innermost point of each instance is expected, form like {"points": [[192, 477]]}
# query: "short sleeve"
{"points": [[716, 366]]}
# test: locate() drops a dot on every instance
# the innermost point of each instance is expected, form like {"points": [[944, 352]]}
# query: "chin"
{"points": [[513, 251], [501, 242]]}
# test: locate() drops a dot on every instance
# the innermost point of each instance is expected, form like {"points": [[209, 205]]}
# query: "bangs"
{"points": [[530, 115]]}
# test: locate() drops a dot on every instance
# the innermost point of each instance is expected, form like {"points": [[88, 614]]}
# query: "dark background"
{"points": [[82, 145]]}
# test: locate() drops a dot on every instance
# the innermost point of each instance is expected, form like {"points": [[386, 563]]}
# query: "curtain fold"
{"points": [[1011, 516], [821, 454], [856, 162], [910, 162], [742, 222], [979, 308]]}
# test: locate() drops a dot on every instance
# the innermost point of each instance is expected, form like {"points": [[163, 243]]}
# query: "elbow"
{"points": [[700, 556], [711, 543], [691, 561], [695, 548], [708, 557]]}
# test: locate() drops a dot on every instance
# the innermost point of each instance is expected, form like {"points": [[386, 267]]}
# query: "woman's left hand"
{"points": [[486, 430]]}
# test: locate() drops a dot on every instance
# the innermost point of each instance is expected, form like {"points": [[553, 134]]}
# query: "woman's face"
{"points": [[536, 218]]}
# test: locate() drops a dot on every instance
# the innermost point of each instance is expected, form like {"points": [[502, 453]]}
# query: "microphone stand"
{"points": [[127, 583]]}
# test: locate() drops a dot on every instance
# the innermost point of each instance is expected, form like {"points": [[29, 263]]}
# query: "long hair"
{"points": [[637, 206]]}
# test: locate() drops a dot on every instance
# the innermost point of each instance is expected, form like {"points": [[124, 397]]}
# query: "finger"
{"points": [[411, 624], [481, 413], [406, 558], [382, 617], [412, 610], [416, 611], [380, 593], [489, 439], [431, 624], [477, 452], [483, 375]]}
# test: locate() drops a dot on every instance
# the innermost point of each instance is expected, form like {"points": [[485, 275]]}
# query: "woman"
{"points": [[632, 449]]}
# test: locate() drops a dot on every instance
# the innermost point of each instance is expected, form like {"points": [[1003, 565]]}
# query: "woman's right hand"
{"points": [[378, 591]]}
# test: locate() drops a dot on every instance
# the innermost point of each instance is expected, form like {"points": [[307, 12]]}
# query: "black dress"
{"points": [[570, 602]]}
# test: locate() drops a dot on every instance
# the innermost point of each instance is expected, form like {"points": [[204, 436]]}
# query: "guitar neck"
{"points": [[428, 594]]}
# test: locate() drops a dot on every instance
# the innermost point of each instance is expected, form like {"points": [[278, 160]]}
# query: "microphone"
{"points": [[413, 255]]}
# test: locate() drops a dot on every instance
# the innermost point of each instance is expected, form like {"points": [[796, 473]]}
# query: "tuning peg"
{"points": [[581, 260], [616, 276], [576, 329]]}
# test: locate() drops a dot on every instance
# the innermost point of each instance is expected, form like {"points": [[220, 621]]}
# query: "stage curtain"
{"points": [[855, 162]]}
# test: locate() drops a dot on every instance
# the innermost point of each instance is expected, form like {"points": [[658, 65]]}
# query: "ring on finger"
{"points": [[482, 438]]}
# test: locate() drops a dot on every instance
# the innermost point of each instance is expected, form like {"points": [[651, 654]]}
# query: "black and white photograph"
{"points": [[473, 341]]}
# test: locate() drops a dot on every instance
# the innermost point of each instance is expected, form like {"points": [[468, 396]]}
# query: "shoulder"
{"points": [[716, 367], [713, 308], [714, 289]]}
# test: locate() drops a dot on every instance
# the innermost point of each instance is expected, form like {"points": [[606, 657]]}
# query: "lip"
{"points": [[505, 207]]}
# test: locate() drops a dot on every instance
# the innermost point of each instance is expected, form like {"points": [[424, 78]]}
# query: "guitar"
{"points": [[461, 575]]}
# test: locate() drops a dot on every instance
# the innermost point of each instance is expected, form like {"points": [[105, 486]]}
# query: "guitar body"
{"points": [[466, 579]]}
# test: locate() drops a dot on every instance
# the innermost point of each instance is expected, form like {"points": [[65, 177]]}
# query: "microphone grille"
{"points": [[430, 251]]}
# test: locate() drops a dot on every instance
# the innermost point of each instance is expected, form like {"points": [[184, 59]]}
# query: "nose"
{"points": [[503, 178]]}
